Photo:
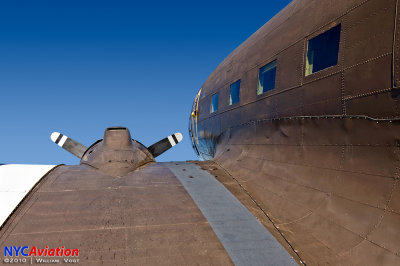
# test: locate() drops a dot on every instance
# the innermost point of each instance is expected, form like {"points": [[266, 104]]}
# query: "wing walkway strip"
{"points": [[245, 239]]}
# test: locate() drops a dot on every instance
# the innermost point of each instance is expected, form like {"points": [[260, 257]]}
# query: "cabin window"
{"points": [[266, 78], [234, 93], [323, 51], [214, 103]]}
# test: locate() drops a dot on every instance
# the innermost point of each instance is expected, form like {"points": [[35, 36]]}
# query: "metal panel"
{"points": [[369, 32], [396, 49], [369, 78], [143, 218], [331, 189]]}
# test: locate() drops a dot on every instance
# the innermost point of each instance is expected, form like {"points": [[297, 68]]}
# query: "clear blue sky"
{"points": [[77, 67]]}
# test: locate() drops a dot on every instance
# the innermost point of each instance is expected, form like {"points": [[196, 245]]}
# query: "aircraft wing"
{"points": [[119, 206], [16, 180], [162, 213]]}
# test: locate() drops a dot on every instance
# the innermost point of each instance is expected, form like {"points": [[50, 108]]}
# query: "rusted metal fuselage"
{"points": [[319, 153]]}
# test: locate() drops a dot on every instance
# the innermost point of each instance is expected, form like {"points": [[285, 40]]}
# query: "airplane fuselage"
{"points": [[305, 116]]}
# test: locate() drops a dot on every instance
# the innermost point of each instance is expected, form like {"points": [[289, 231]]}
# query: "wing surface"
{"points": [[16, 180], [163, 213]]}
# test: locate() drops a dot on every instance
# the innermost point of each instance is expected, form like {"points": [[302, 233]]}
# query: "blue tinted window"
{"points": [[323, 51], [234, 93], [266, 78], [214, 103]]}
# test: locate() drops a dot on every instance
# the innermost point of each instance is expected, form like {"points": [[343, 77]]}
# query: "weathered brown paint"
{"points": [[316, 159], [396, 49], [117, 154], [143, 218], [319, 154]]}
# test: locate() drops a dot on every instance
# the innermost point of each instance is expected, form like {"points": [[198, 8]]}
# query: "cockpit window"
{"points": [[214, 103], [234, 93], [266, 78], [323, 51]]}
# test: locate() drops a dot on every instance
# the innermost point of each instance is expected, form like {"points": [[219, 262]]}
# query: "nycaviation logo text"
{"points": [[36, 255]]}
